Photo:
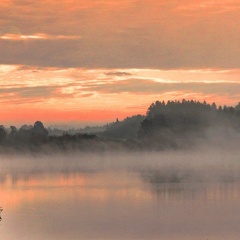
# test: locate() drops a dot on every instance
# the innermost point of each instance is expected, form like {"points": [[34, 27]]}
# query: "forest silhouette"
{"points": [[174, 125]]}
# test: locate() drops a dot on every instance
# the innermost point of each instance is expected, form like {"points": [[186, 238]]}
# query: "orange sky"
{"points": [[93, 61]]}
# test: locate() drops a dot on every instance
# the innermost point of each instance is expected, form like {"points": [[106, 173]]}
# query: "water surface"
{"points": [[81, 201]]}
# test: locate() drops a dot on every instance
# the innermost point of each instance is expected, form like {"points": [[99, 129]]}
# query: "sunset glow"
{"points": [[101, 95], [94, 61]]}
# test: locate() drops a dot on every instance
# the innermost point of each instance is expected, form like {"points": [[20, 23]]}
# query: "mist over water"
{"points": [[191, 194]]}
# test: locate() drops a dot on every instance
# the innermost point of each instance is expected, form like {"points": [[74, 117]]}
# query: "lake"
{"points": [[99, 197]]}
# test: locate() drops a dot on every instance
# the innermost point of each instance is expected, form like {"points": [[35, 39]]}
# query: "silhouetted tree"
{"points": [[24, 134], [126, 129], [39, 132], [13, 130], [173, 124], [237, 108], [150, 126], [3, 133], [214, 106], [12, 135], [184, 121]]}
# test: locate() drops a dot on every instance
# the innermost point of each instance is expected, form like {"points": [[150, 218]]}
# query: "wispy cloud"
{"points": [[28, 91], [72, 87], [111, 73], [36, 37], [209, 6]]}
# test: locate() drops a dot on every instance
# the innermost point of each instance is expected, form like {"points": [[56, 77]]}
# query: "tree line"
{"points": [[172, 124]]}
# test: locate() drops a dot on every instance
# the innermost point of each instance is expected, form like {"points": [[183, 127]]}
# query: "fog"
{"points": [[122, 189], [170, 194], [218, 163]]}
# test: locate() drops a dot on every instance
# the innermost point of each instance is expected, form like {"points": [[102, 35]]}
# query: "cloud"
{"points": [[22, 95], [118, 74], [213, 7], [137, 86], [36, 37], [63, 94], [121, 34], [77, 89]]}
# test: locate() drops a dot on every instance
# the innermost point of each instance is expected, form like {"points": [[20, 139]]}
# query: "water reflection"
{"points": [[189, 184], [119, 204], [1, 209]]}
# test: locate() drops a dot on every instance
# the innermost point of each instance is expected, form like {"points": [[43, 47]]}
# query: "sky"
{"points": [[92, 61]]}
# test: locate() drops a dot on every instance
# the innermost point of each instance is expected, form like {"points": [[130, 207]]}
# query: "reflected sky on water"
{"points": [[116, 203]]}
